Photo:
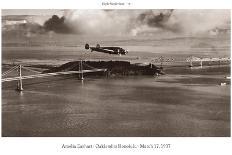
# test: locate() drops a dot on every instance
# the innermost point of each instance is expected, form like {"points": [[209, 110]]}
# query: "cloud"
{"points": [[57, 24], [198, 21], [118, 22], [154, 18], [109, 22], [99, 22]]}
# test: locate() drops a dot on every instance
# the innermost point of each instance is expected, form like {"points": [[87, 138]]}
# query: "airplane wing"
{"points": [[102, 50]]}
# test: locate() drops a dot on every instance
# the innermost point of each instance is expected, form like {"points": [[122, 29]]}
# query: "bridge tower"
{"points": [[81, 76], [161, 61], [20, 82], [201, 63]]}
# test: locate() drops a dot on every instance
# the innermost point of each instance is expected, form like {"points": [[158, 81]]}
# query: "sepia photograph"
{"points": [[116, 73]]}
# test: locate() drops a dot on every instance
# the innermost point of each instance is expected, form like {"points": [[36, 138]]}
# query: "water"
{"points": [[170, 105]]}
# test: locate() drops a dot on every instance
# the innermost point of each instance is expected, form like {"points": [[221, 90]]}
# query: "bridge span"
{"points": [[20, 77]]}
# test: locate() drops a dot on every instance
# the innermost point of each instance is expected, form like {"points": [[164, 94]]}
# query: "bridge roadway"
{"points": [[51, 74]]}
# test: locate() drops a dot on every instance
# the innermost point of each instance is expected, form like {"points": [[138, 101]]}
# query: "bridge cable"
{"points": [[26, 68], [89, 66], [10, 70]]}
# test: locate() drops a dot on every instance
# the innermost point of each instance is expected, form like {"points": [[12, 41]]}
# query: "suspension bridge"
{"points": [[38, 74]]}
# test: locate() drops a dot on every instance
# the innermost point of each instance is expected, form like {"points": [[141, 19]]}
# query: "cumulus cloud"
{"points": [[99, 22], [119, 22], [108, 22]]}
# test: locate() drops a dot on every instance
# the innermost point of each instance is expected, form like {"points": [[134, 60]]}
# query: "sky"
{"points": [[32, 12]]}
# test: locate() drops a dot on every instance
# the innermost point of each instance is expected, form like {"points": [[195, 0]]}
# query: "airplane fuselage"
{"points": [[109, 49]]}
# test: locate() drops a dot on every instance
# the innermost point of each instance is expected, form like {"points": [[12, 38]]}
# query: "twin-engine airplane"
{"points": [[109, 50]]}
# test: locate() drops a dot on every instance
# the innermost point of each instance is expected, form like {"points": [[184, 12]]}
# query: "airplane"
{"points": [[111, 50]]}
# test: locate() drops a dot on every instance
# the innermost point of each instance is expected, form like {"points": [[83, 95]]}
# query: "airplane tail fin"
{"points": [[98, 46], [87, 46]]}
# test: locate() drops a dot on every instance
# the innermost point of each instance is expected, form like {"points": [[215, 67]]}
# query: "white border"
{"points": [[51, 146], [136, 4]]}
